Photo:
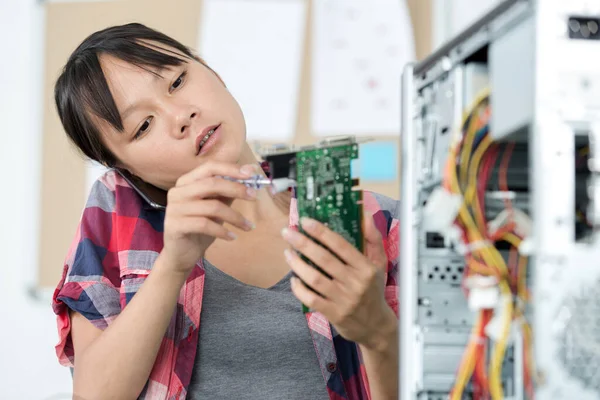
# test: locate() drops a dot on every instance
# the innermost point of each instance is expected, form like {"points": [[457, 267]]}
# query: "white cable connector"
{"points": [[493, 329], [441, 210], [477, 245], [521, 220], [502, 195], [463, 248], [526, 247], [453, 239], [484, 293]]}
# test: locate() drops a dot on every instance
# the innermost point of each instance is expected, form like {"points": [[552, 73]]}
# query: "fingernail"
{"points": [[251, 193], [231, 235], [248, 170], [249, 224], [307, 222], [291, 236], [294, 281], [288, 255]]}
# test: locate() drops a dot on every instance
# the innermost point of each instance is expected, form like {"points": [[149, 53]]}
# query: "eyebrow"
{"points": [[133, 106]]}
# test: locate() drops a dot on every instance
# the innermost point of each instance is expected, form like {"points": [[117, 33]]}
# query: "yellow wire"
{"points": [[529, 351], [474, 168], [472, 129], [480, 268], [468, 363], [500, 347], [491, 257], [479, 98], [471, 191], [466, 149], [522, 293], [489, 254], [521, 278]]}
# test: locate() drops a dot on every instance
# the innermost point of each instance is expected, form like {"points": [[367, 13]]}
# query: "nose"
{"points": [[185, 120]]}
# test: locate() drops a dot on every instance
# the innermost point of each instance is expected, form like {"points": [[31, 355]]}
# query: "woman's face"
{"points": [[165, 118]]}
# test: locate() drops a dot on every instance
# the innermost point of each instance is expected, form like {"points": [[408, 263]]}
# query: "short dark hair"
{"points": [[82, 90]]}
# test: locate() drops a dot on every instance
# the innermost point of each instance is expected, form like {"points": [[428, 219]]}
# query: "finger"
{"points": [[313, 277], [311, 299], [374, 243], [317, 254], [216, 168], [202, 225], [210, 188], [216, 211], [336, 243]]}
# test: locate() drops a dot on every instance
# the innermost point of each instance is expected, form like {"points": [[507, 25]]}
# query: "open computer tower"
{"points": [[500, 257]]}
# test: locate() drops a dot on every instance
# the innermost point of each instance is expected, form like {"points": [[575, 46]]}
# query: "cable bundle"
{"points": [[471, 160]]}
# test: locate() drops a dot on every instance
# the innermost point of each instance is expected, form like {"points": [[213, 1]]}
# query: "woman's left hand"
{"points": [[353, 299]]}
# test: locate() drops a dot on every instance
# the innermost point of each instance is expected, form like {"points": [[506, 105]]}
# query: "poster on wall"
{"points": [[256, 47], [359, 50]]}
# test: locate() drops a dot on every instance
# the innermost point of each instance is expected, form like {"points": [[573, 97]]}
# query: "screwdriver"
{"points": [[260, 181]]}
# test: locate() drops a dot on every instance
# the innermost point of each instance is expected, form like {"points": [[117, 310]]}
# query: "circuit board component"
{"points": [[325, 190]]}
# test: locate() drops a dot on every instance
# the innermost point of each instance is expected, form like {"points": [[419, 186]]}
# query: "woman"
{"points": [[216, 311]]}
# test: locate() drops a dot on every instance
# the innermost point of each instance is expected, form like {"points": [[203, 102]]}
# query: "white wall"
{"points": [[465, 12], [450, 17], [28, 366]]}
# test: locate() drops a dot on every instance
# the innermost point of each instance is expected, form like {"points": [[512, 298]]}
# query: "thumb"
{"points": [[373, 243]]}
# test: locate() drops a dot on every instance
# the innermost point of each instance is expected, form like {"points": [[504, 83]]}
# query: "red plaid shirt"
{"points": [[116, 244]]}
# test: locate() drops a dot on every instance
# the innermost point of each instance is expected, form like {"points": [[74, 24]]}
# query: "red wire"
{"points": [[513, 267], [506, 228], [486, 171], [481, 384], [503, 172]]}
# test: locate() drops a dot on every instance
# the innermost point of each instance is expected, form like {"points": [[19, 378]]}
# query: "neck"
{"points": [[267, 207]]}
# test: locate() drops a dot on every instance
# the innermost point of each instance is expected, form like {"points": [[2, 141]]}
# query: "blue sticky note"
{"points": [[377, 161]]}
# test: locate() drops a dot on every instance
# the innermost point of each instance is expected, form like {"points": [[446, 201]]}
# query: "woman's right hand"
{"points": [[198, 206]]}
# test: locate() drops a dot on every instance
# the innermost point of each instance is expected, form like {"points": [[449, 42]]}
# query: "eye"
{"points": [[178, 82], [144, 128]]}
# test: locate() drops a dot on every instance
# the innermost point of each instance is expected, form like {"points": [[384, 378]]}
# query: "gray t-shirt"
{"points": [[254, 344]]}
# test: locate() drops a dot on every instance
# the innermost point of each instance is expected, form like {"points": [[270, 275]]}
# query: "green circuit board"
{"points": [[325, 189]]}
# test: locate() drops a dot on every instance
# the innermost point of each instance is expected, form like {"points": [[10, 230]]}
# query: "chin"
{"points": [[234, 154], [232, 149]]}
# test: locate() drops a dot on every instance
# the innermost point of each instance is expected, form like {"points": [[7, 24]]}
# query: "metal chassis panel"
{"points": [[561, 267]]}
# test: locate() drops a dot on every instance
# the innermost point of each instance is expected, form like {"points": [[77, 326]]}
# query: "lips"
{"points": [[204, 136]]}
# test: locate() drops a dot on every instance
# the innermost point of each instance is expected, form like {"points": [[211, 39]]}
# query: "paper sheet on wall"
{"points": [[359, 50], [256, 47]]}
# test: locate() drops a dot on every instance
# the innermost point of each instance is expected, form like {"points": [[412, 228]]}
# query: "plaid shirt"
{"points": [[115, 246]]}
